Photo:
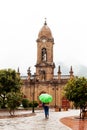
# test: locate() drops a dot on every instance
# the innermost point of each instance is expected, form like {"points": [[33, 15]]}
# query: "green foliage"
{"points": [[13, 101], [76, 91], [9, 82], [3, 102], [30, 104], [25, 102], [35, 104]]}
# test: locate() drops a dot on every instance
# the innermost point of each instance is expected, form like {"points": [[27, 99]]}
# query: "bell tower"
{"points": [[45, 65]]}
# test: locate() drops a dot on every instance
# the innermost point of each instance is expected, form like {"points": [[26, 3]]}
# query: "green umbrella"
{"points": [[45, 98]]}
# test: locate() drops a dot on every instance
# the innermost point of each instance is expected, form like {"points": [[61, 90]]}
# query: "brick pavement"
{"points": [[75, 123]]}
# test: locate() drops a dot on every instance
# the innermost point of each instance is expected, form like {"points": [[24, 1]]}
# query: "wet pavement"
{"points": [[75, 123], [37, 121]]}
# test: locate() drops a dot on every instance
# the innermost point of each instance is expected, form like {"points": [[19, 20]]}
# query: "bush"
{"points": [[25, 102], [35, 104], [30, 104], [13, 101]]}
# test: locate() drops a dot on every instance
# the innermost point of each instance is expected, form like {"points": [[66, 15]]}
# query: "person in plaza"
{"points": [[46, 109], [45, 98]]}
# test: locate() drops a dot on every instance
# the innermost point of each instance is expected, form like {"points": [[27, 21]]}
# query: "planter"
{"points": [[65, 109], [57, 109]]}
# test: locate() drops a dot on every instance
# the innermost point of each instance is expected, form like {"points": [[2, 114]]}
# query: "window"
{"points": [[44, 54]]}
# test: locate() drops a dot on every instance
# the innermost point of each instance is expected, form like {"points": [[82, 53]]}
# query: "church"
{"points": [[44, 80]]}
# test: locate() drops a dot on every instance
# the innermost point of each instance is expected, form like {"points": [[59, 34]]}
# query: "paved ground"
{"points": [[37, 121], [75, 123]]}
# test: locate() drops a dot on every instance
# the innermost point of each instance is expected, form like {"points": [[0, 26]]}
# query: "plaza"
{"points": [[37, 120]]}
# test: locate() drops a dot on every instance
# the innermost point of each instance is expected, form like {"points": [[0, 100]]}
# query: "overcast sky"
{"points": [[21, 21]]}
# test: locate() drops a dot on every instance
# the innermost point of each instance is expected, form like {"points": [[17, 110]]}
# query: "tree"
{"points": [[76, 91], [9, 82], [14, 100]]}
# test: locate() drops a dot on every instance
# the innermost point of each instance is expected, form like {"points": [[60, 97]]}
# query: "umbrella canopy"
{"points": [[45, 98]]}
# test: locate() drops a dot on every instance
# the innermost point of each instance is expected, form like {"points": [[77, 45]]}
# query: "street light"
{"points": [[32, 80], [54, 88], [33, 93]]}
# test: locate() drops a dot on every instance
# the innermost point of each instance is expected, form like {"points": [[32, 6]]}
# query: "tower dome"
{"points": [[45, 32]]}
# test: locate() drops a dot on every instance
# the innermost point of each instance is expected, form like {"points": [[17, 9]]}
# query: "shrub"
{"points": [[25, 102], [35, 104], [13, 101]]}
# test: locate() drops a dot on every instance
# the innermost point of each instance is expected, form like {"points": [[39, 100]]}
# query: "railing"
{"points": [[62, 77]]}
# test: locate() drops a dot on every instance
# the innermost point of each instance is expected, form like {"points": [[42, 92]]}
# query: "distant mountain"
{"points": [[79, 70]]}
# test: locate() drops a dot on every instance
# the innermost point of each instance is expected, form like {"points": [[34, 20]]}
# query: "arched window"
{"points": [[44, 54]]}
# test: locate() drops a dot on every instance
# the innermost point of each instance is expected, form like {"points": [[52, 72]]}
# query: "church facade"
{"points": [[44, 80]]}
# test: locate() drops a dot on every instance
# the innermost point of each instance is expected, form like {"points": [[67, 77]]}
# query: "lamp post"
{"points": [[32, 80], [55, 89], [55, 95], [33, 94]]}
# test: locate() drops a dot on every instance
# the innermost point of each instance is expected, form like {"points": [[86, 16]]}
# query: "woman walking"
{"points": [[46, 99], [46, 110]]}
